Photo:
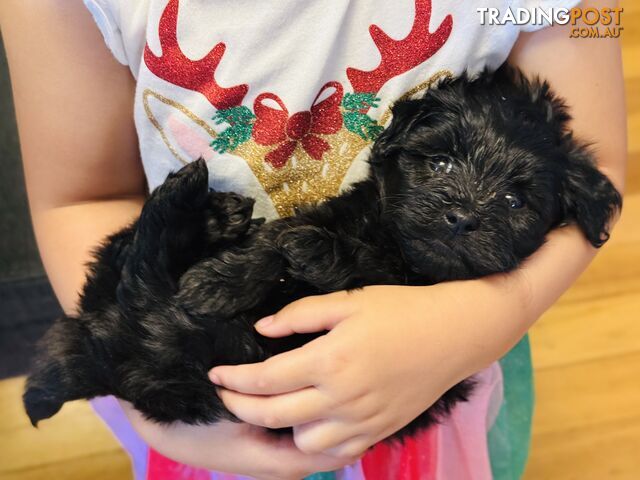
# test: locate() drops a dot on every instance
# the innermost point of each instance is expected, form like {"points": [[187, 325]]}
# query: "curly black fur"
{"points": [[465, 182]]}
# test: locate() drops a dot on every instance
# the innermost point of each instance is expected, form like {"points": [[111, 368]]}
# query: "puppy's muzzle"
{"points": [[461, 222]]}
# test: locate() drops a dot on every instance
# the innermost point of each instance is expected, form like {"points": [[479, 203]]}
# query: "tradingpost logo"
{"points": [[585, 22]]}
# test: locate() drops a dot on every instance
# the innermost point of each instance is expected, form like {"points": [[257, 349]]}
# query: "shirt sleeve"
{"points": [[106, 19], [546, 5], [123, 24]]}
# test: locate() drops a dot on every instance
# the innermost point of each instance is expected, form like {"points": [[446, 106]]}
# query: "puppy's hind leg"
{"points": [[181, 222], [68, 367]]}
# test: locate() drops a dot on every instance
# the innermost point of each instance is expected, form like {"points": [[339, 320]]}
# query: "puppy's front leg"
{"points": [[235, 281], [330, 261]]}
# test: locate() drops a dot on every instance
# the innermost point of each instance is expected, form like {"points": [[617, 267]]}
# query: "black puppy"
{"points": [[465, 182]]}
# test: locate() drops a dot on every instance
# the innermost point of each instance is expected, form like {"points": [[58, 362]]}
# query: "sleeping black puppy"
{"points": [[465, 182]]}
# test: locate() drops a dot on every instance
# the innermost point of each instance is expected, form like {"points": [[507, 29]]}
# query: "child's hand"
{"points": [[232, 447], [391, 352]]}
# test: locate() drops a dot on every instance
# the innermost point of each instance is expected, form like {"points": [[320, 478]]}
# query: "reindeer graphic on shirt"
{"points": [[299, 156]]}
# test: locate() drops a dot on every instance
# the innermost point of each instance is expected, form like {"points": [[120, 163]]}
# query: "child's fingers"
{"points": [[353, 447], [277, 411], [308, 315], [331, 437], [282, 373]]}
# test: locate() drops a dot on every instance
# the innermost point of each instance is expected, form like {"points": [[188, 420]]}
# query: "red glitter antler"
{"points": [[400, 56], [175, 67]]}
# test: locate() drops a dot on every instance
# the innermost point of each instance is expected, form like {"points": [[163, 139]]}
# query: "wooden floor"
{"points": [[586, 355]]}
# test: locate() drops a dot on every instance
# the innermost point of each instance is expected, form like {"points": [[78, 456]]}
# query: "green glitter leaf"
{"points": [[234, 116], [240, 120], [360, 101], [363, 125], [229, 140]]}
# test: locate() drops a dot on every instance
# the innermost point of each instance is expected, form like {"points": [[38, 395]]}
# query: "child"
{"points": [[282, 99]]}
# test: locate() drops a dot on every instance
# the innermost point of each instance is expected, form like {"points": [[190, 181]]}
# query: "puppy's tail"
{"points": [[64, 370]]}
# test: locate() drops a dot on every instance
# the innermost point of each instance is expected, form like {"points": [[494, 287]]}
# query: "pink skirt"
{"points": [[485, 438]]}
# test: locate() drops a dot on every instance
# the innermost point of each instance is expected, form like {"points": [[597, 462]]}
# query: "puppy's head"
{"points": [[473, 176]]}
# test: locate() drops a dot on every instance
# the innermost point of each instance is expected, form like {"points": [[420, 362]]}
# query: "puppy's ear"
{"points": [[589, 199], [534, 98], [439, 101], [405, 114], [66, 368]]}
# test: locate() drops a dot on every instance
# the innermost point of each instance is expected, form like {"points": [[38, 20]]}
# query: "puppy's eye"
{"points": [[514, 201], [440, 164]]}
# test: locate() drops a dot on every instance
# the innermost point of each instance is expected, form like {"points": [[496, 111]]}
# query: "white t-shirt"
{"points": [[283, 97]]}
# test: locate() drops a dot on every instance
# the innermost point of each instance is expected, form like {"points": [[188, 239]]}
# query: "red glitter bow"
{"points": [[274, 126]]}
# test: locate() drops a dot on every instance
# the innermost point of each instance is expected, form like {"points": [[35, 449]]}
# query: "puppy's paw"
{"points": [[40, 404], [312, 254], [229, 216], [176, 206], [187, 189]]}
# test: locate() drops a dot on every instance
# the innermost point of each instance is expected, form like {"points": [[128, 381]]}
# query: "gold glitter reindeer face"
{"points": [[298, 157]]}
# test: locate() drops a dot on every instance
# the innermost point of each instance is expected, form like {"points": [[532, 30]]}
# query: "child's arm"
{"points": [[83, 175], [74, 106], [393, 350]]}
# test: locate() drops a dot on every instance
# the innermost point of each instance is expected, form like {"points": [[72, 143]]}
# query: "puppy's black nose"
{"points": [[461, 222]]}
